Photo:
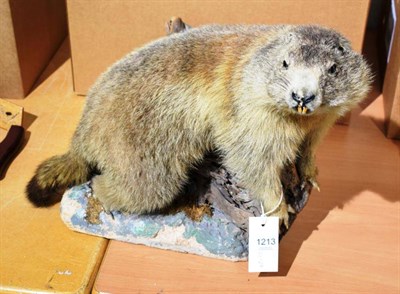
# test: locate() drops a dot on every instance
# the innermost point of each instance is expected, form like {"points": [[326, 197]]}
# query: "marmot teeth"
{"points": [[302, 109]]}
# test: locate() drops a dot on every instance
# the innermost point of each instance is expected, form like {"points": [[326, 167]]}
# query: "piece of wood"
{"points": [[10, 114], [10, 146], [209, 218]]}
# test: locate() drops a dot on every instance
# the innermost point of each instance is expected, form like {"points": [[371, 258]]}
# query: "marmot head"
{"points": [[309, 69]]}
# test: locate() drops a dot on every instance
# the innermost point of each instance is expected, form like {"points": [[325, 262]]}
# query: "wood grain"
{"points": [[345, 240]]}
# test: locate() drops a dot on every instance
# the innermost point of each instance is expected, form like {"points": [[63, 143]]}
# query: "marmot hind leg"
{"points": [[107, 192], [117, 195]]}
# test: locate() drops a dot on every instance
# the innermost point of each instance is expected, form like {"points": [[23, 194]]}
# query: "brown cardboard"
{"points": [[31, 33], [103, 31], [391, 86]]}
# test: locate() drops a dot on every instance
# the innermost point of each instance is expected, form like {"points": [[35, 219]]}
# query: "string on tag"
{"points": [[264, 214]]}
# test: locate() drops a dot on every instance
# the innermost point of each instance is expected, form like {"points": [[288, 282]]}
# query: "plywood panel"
{"points": [[103, 31]]}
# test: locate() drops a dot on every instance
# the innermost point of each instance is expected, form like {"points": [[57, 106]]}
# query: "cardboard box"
{"points": [[31, 32], [391, 86], [102, 31]]}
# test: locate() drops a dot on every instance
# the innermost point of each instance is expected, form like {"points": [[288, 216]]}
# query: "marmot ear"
{"points": [[289, 37]]}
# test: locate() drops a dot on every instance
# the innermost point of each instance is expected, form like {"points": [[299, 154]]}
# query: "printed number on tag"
{"points": [[263, 244]]}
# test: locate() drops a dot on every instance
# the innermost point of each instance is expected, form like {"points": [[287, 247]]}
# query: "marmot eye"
{"points": [[285, 64], [332, 69]]}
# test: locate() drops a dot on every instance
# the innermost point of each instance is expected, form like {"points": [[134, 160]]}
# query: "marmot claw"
{"points": [[283, 213], [314, 183]]}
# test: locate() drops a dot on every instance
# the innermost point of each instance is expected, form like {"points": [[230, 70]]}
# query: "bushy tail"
{"points": [[54, 176]]}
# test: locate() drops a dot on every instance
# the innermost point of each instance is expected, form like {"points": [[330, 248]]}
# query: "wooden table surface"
{"points": [[38, 253], [345, 240]]}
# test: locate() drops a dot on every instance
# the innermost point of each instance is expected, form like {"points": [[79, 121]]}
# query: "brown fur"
{"points": [[155, 114]]}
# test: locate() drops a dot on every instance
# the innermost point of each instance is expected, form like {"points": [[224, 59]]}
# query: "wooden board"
{"points": [[38, 253], [345, 240], [10, 114]]}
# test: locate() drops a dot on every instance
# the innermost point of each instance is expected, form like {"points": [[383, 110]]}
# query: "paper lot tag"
{"points": [[263, 244]]}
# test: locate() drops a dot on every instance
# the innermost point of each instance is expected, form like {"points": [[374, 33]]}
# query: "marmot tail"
{"points": [[54, 176]]}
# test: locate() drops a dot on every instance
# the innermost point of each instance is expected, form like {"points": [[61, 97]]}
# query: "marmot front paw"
{"points": [[283, 213], [309, 173]]}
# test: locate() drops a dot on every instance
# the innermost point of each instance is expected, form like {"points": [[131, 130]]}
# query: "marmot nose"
{"points": [[304, 99]]}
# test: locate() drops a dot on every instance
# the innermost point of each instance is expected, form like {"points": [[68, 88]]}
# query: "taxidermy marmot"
{"points": [[262, 96]]}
